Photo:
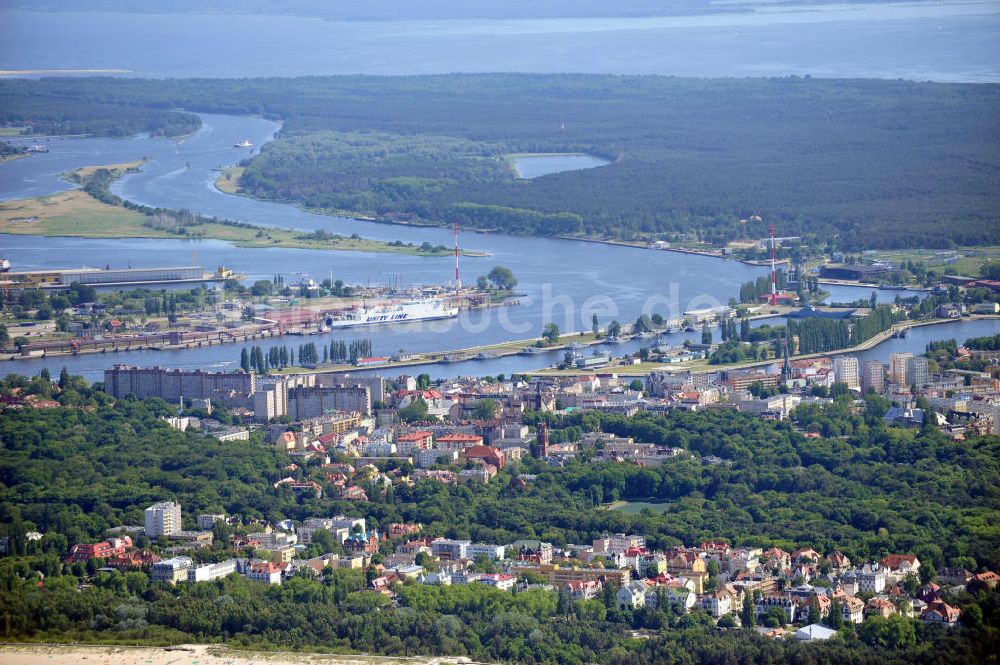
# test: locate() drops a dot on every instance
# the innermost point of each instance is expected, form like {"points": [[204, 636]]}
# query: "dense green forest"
{"points": [[88, 116], [865, 489], [870, 163]]}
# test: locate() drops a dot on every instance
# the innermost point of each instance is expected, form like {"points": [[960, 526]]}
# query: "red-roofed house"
{"points": [[882, 607], [397, 529], [133, 560], [941, 612], [839, 561], [806, 554], [353, 493], [776, 557], [499, 581], [853, 610], [457, 441], [930, 592], [407, 442], [337, 479], [901, 565], [989, 578], [414, 546], [265, 571], [715, 546], [488, 454], [104, 550]]}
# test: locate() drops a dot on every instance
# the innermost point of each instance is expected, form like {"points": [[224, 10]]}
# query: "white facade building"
{"points": [[211, 571], [163, 519]]}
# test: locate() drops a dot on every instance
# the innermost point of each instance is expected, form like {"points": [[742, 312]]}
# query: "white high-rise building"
{"points": [[845, 370], [917, 371], [270, 401], [163, 519]]}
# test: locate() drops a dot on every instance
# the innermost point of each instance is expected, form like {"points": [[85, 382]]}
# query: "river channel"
{"points": [[561, 281]]}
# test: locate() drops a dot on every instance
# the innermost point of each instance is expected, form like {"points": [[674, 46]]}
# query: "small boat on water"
{"points": [[245, 143]]}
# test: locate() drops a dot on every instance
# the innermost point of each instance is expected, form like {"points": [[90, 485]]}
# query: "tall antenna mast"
{"points": [[774, 280], [458, 282]]}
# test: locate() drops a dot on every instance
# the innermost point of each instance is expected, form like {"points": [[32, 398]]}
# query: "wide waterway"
{"points": [[941, 41], [561, 281]]}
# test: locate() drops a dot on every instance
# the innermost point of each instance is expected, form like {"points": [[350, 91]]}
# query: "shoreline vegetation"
{"points": [[230, 185], [79, 213], [227, 182]]}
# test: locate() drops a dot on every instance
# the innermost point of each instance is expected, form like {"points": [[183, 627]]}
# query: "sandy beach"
{"points": [[192, 654]]}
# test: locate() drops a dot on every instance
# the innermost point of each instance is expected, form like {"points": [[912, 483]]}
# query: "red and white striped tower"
{"points": [[458, 282], [774, 278]]}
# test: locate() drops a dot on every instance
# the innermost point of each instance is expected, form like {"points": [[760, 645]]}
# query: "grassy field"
{"points": [[11, 131], [636, 507], [72, 213], [965, 261], [228, 180], [77, 214]]}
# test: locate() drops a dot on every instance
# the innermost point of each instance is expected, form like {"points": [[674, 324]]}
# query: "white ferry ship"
{"points": [[423, 310], [245, 143]]}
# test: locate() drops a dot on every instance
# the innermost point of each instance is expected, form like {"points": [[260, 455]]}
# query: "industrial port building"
{"points": [[98, 277]]}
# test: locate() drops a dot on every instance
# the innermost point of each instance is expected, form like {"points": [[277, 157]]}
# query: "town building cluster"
{"points": [[467, 430], [778, 588], [353, 436]]}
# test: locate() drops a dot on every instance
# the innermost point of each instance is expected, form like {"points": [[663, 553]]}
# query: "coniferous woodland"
{"points": [[72, 471], [853, 164]]}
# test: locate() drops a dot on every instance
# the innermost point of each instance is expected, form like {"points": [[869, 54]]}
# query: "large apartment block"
{"points": [[172, 384], [376, 384], [306, 403]]}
